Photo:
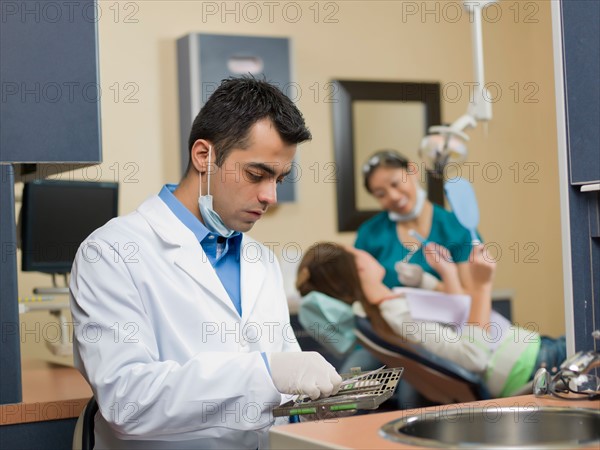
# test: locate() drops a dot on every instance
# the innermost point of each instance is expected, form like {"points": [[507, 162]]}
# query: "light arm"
{"points": [[445, 143], [480, 108]]}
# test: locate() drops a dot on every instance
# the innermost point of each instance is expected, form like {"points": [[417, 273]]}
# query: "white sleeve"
{"points": [[468, 350], [142, 396], [290, 344]]}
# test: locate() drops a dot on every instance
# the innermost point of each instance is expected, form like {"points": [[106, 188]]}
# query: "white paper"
{"points": [[433, 306]]}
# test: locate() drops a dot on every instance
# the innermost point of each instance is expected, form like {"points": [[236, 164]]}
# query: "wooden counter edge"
{"points": [[50, 392], [16, 413]]}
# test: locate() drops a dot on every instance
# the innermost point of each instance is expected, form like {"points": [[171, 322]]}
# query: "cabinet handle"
{"points": [[590, 187]]}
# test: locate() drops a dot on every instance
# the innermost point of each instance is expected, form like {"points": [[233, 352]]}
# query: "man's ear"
{"points": [[199, 155]]}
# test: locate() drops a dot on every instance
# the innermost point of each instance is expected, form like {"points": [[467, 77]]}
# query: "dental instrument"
{"points": [[424, 242], [418, 237], [409, 255]]}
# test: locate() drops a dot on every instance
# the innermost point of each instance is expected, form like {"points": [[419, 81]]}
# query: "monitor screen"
{"points": [[57, 216]]}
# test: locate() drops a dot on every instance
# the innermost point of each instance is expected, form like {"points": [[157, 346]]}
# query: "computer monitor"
{"points": [[57, 216]]}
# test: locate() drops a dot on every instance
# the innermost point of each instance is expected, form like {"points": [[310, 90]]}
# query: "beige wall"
{"points": [[369, 40]]}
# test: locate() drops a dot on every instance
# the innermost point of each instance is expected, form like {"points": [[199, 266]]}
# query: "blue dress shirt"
{"points": [[223, 253]]}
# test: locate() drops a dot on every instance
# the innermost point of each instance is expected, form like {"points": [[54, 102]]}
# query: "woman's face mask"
{"points": [[211, 219]]}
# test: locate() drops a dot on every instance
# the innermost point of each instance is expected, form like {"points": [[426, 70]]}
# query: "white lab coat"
{"points": [[170, 361]]}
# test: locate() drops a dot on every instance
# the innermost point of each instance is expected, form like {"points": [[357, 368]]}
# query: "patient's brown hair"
{"points": [[330, 269]]}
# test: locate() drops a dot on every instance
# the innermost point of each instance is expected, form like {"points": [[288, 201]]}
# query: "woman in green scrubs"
{"points": [[389, 236]]}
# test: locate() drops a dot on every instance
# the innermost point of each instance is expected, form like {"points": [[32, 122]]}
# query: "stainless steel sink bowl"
{"points": [[498, 427]]}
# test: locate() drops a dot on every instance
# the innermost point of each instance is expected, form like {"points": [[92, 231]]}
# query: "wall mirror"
{"points": [[370, 116]]}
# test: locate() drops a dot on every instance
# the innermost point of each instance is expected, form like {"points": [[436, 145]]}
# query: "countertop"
{"points": [[50, 392], [362, 432]]}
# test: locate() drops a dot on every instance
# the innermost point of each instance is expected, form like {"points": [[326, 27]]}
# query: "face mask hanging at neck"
{"points": [[211, 219], [420, 202]]}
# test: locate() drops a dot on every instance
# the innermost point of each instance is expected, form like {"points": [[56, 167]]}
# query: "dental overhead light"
{"points": [[447, 143]]}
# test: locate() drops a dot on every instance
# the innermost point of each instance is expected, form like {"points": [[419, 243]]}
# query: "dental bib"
{"points": [[332, 319]]}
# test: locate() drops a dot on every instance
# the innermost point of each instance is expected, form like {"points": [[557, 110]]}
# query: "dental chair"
{"points": [[83, 436], [437, 379]]}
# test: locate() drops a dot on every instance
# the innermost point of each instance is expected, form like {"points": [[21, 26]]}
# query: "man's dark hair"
{"points": [[236, 105]]}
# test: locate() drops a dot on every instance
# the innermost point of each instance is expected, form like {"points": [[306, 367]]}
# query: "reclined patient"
{"points": [[507, 362]]}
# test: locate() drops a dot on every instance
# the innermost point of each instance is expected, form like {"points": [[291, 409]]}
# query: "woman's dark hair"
{"points": [[382, 158], [236, 105]]}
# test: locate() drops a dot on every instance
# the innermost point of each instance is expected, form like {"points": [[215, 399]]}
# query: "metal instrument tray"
{"points": [[361, 390]]}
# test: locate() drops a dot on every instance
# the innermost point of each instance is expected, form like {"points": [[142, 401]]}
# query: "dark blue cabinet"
{"points": [[580, 21], [49, 113], [581, 43], [49, 86]]}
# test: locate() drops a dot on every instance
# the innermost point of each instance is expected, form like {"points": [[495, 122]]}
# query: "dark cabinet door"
{"points": [[50, 94], [581, 51], [581, 35]]}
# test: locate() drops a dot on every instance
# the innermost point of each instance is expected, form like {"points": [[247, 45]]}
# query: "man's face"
{"points": [[245, 185]]}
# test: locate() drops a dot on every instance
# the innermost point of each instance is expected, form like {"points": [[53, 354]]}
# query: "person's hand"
{"points": [[440, 259], [482, 266], [482, 269], [409, 275], [304, 373], [413, 275]]}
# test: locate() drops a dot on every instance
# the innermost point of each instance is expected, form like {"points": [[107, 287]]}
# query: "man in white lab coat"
{"points": [[182, 327]]}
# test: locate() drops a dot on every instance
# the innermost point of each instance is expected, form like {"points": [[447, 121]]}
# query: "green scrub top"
{"points": [[378, 236]]}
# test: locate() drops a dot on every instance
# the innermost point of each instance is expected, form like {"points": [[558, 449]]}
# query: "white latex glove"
{"points": [[410, 275], [303, 373], [413, 275]]}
